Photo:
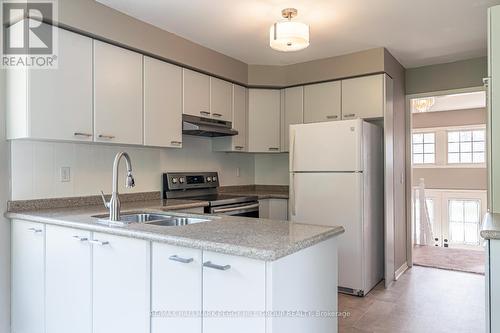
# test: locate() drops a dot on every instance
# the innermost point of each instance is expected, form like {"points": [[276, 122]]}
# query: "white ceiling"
{"points": [[416, 32]]}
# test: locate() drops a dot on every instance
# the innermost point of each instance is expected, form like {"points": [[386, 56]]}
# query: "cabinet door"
{"points": [[292, 113], [176, 286], [221, 99], [196, 93], [264, 120], [28, 278], [117, 94], [274, 209], [494, 288], [494, 107], [234, 284], [68, 269], [121, 284], [162, 104], [60, 100], [363, 97], [322, 102]]}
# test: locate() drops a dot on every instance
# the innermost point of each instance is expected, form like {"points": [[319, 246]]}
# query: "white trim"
{"points": [[400, 271], [444, 92], [448, 128]]}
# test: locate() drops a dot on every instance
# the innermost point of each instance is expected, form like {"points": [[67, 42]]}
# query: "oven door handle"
{"points": [[231, 209]]}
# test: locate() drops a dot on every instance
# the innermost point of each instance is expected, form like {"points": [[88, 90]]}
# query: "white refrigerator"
{"points": [[336, 178]]}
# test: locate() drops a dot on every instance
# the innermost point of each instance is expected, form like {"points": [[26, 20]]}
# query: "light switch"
{"points": [[65, 174]]}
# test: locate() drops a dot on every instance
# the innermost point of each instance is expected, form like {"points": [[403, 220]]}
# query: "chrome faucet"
{"points": [[114, 202]]}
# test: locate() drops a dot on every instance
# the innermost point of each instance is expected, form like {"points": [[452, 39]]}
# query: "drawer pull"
{"points": [[349, 115], [179, 259], [35, 230], [80, 238], [273, 149], [82, 134], [215, 266], [216, 114], [110, 137], [332, 117], [176, 142], [205, 112], [238, 147], [98, 242]]}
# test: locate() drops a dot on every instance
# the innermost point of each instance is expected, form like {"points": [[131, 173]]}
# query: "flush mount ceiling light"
{"points": [[423, 104], [289, 36]]}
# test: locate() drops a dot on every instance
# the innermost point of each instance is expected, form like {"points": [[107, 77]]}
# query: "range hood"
{"points": [[192, 125]]}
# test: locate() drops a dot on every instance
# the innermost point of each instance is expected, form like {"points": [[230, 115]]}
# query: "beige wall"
{"points": [[449, 118], [97, 19], [455, 75], [452, 178]]}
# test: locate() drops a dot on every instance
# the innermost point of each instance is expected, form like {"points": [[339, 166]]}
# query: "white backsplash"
{"points": [[36, 166], [271, 169]]}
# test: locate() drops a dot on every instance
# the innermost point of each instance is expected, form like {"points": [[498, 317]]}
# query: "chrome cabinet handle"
{"points": [[98, 242], [238, 147], [205, 112], [80, 238], [35, 230], [176, 142], [216, 115], [349, 115], [110, 137], [332, 117], [273, 148], [175, 257], [215, 266], [82, 134]]}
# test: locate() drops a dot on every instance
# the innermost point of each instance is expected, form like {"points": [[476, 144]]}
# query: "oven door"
{"points": [[247, 209]]}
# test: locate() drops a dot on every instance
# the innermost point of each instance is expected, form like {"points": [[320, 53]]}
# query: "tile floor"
{"points": [[422, 300]]}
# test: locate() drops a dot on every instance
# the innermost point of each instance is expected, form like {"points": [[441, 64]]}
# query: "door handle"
{"points": [[216, 115], [177, 143], [88, 135], [205, 112], [35, 230], [109, 137], [80, 238], [349, 115], [175, 257], [98, 242], [332, 117], [273, 149], [209, 264]]}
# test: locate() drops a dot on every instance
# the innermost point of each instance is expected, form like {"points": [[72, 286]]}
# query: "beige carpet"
{"points": [[463, 260]]}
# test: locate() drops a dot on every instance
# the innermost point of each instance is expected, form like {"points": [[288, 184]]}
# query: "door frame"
{"points": [[409, 169]]}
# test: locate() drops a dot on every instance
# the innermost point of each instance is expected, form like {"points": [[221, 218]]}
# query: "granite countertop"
{"points": [[250, 237], [491, 226]]}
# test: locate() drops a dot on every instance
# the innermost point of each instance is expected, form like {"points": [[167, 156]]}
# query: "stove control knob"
{"points": [[174, 180], [214, 179], [181, 180], [209, 179]]}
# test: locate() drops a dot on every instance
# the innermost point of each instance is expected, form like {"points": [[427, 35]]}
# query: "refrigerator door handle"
{"points": [[292, 187], [292, 166]]}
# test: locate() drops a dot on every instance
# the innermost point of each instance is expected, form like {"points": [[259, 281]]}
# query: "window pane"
{"points": [[471, 211], [453, 158], [453, 137], [428, 137], [418, 149], [466, 147], [471, 233], [465, 136], [429, 148], [478, 135], [429, 158], [478, 146], [457, 232], [478, 158], [456, 210], [418, 138], [466, 157], [418, 158], [453, 147]]}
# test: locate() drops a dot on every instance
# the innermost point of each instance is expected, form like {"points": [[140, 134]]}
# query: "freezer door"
{"points": [[333, 199], [328, 146]]}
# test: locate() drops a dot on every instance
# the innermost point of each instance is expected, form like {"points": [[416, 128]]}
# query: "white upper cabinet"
{"points": [[117, 94], [196, 94], [322, 102], [293, 113], [68, 269], [236, 284], [162, 104], [264, 120], [221, 99], [54, 104], [239, 114], [176, 286], [120, 284], [363, 97]]}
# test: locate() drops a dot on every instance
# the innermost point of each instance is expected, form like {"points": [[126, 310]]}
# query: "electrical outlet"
{"points": [[65, 174], [237, 172]]}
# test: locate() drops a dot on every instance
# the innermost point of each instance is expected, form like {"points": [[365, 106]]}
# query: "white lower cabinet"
{"points": [[274, 209], [236, 285], [121, 284], [28, 278], [493, 286], [176, 282], [68, 275]]}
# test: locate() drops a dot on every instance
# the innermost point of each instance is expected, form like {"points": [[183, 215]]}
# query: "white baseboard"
{"points": [[400, 271]]}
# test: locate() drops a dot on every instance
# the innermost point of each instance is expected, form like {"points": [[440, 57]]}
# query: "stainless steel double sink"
{"points": [[158, 219]]}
